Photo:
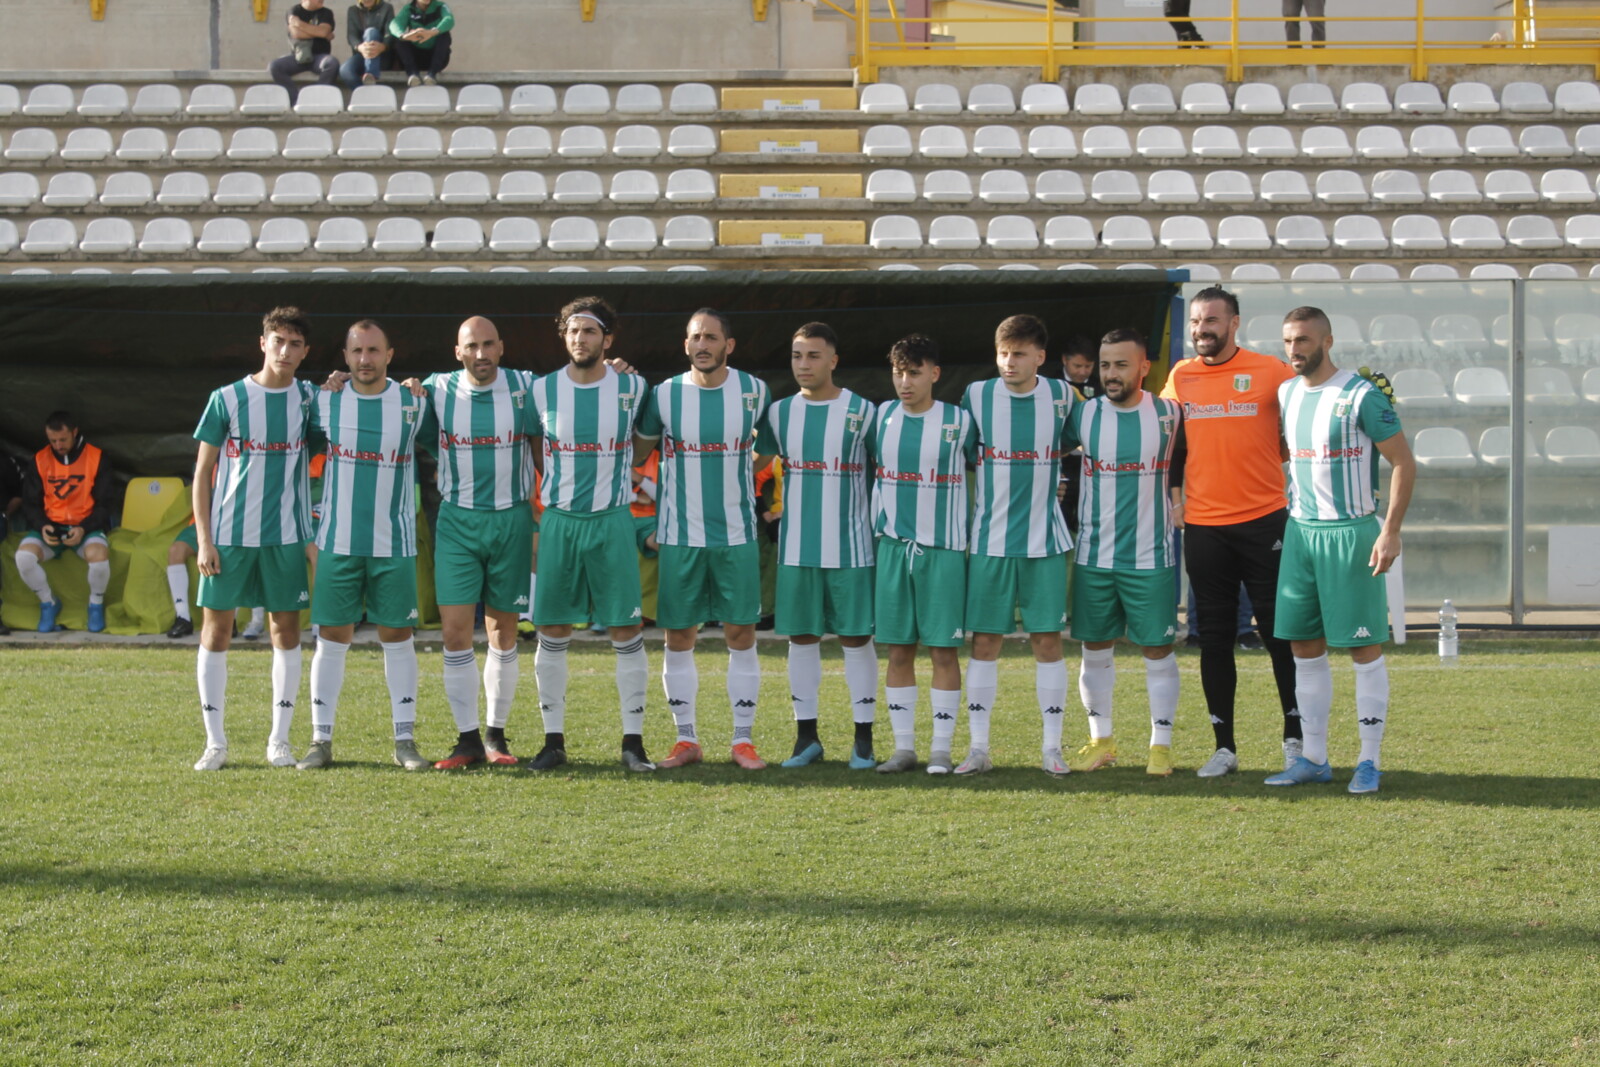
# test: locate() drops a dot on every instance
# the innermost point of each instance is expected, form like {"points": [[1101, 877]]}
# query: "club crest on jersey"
{"points": [[751, 401], [1341, 408], [1241, 383], [625, 401], [1063, 407], [409, 414], [852, 422], [1168, 423], [518, 396], [952, 431]]}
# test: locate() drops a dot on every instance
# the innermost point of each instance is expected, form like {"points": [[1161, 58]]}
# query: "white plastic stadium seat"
{"points": [[1533, 232], [1185, 233], [1051, 99], [1481, 387], [1255, 272], [515, 234], [196, 144], [1374, 272], [581, 142], [352, 189], [1583, 231], [403, 236], [578, 187], [341, 235], [1311, 98], [1151, 98], [31, 145], [989, 98], [1417, 233], [268, 101], [886, 142], [318, 100], [237, 188], [308, 143], [465, 188], [1004, 187], [69, 189], [688, 233], [1380, 142], [1097, 99], [1115, 187], [1494, 448], [48, 101], [942, 142], [1205, 98], [1340, 187], [1419, 388], [18, 189], [1160, 143], [1059, 187], [1243, 233], [1495, 272], [1012, 233], [1127, 233], [937, 98], [1573, 446], [1578, 98], [1525, 98], [1453, 187], [363, 142], [1472, 98], [1397, 187], [1443, 448], [422, 101], [637, 142], [1300, 233], [1544, 142], [690, 186], [688, 142], [1106, 142], [167, 236], [418, 143], [526, 142], [252, 143], [206, 101], [283, 237], [472, 101], [532, 100], [1172, 187], [1270, 142], [1587, 140], [573, 233], [1566, 187], [1509, 187], [1070, 233], [996, 142], [472, 142], [228, 236], [1491, 142], [627, 187], [895, 232], [1551, 271], [1545, 386], [1285, 187], [457, 235], [953, 233], [1052, 142], [1359, 233], [1257, 98], [882, 98], [86, 146], [106, 237], [639, 98], [1228, 187], [1476, 233], [49, 237], [142, 145], [409, 188], [888, 187], [157, 101], [1434, 142], [1365, 98], [521, 187], [296, 188], [1315, 272], [103, 101]]}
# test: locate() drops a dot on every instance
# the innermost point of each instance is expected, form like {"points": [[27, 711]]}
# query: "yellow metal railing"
{"points": [[1050, 40]]}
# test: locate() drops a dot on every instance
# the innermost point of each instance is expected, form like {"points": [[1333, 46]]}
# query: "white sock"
{"points": [[500, 672], [400, 671], [983, 679], [1372, 706], [633, 676], [99, 580], [681, 682], [805, 679], [327, 679], [258, 617], [1050, 685], [33, 576], [533, 580], [1161, 686], [550, 670], [902, 715], [1097, 680], [1313, 693], [178, 586], [211, 673], [946, 706], [861, 678], [744, 686], [285, 689], [461, 688]]}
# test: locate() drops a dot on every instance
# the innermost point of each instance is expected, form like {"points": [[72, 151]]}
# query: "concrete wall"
{"points": [[704, 36], [1273, 30]]}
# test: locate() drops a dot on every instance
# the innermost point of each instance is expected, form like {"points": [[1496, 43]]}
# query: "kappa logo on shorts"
{"points": [[521, 602], [1241, 383], [1362, 631], [305, 598], [637, 614], [1172, 631], [958, 635], [412, 614]]}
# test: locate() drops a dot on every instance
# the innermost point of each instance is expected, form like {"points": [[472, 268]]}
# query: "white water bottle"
{"points": [[1449, 643]]}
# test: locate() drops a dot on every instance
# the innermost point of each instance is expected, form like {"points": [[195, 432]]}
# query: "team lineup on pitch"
{"points": [[915, 522]]}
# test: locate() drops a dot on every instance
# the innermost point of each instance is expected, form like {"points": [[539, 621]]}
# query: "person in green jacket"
{"points": [[421, 32]]}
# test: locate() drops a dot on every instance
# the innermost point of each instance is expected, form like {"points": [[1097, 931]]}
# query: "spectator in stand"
{"points": [[421, 32], [10, 503], [1313, 10], [1185, 31], [366, 27], [66, 503], [311, 40]]}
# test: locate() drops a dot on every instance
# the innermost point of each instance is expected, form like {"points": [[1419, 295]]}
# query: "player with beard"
{"points": [[706, 421], [1335, 552], [588, 555], [1234, 509]]}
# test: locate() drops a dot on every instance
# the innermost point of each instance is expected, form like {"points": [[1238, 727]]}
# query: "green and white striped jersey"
{"points": [[1331, 430], [369, 499], [827, 491], [1021, 439], [1124, 507], [262, 495], [708, 436], [482, 435], [920, 490], [588, 439]]}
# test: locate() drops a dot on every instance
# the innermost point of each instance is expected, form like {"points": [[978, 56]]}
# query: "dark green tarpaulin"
{"points": [[134, 356]]}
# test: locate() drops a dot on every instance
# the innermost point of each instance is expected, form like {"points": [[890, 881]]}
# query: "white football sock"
{"points": [[211, 673], [99, 580], [33, 576], [1050, 686], [1313, 693], [744, 686], [805, 679], [1372, 706], [1097, 681], [500, 672], [285, 690], [1161, 686], [327, 679], [902, 715], [983, 679], [681, 682], [946, 707], [258, 618], [633, 677], [400, 671], [461, 688], [550, 669], [178, 586], [861, 678]]}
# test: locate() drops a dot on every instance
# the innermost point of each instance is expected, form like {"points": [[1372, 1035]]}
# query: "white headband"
{"points": [[586, 315]]}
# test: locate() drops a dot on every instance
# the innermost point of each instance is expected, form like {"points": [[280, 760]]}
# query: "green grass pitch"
{"points": [[708, 916]]}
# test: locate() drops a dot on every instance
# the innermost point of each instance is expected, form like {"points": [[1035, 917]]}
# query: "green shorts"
{"points": [[189, 537], [384, 588], [997, 586], [483, 555], [721, 584], [1326, 587], [588, 569], [1108, 603], [272, 577], [921, 595], [55, 551], [817, 601]]}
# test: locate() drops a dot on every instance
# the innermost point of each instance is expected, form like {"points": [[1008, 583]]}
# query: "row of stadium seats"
{"points": [[1382, 272], [1443, 448], [1153, 144], [1333, 188], [1421, 388], [507, 269], [1574, 333], [1095, 99]]}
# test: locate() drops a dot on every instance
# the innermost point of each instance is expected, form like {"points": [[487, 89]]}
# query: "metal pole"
{"points": [[864, 71], [1052, 70], [1519, 456], [1235, 64], [1419, 68]]}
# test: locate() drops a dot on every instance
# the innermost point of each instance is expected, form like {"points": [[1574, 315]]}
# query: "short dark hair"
{"points": [[817, 331], [60, 420], [594, 306], [368, 324], [1216, 292], [914, 350], [1310, 314], [287, 317], [1125, 335], [713, 313], [1024, 328], [1078, 345]]}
